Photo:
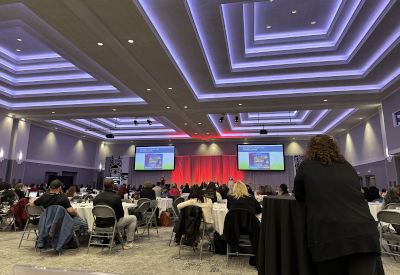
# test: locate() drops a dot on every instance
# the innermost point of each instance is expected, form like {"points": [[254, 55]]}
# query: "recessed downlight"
{"points": [[23, 119], [53, 112], [18, 50], [168, 107], [130, 41], [294, 11], [313, 22], [170, 88], [10, 115], [269, 26], [185, 123], [114, 110], [240, 104], [185, 107], [148, 89], [325, 100], [199, 123], [100, 44], [19, 39]]}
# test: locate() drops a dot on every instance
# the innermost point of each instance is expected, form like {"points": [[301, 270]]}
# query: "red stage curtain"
{"points": [[195, 169]]}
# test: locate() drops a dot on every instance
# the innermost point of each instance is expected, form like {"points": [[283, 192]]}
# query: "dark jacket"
{"points": [[246, 202], [188, 224], [241, 222], [339, 222], [19, 211], [111, 199], [55, 228], [148, 193]]}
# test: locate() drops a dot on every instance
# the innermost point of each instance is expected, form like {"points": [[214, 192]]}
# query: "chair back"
{"points": [[103, 211], [141, 200], [34, 211], [143, 207], [175, 205], [392, 206], [174, 198], [153, 204], [389, 216]]}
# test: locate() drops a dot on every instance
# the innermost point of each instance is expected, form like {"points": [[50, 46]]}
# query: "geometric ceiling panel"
{"points": [[37, 73], [125, 128], [247, 125], [341, 47]]}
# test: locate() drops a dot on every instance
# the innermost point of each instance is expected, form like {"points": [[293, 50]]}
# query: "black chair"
{"points": [[175, 212], [386, 234]]}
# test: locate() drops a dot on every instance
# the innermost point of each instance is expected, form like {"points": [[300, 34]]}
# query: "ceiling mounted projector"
{"points": [[109, 136], [263, 132]]}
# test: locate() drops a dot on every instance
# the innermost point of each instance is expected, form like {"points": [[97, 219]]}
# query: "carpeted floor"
{"points": [[154, 256]]}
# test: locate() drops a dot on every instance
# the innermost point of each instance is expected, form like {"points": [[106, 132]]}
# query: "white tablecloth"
{"points": [[374, 208], [164, 204], [185, 196], [85, 211], [219, 212]]}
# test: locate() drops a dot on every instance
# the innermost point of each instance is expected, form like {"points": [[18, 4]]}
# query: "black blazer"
{"points": [[148, 193], [339, 222], [247, 202]]}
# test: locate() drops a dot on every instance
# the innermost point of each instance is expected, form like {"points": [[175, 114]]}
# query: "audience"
{"points": [[186, 189], [241, 199], [42, 188], [147, 191], [342, 234], [174, 192], [55, 196], [164, 193], [122, 191], [211, 193], [196, 198], [283, 190], [7, 195], [373, 194], [266, 190], [224, 190], [108, 197], [392, 196], [19, 190], [249, 190], [157, 189]]}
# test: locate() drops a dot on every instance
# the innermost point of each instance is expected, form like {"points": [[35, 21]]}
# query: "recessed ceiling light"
{"points": [[268, 27], [325, 100], [185, 123], [169, 88], [294, 11], [271, 1], [53, 112], [199, 123], [360, 118], [18, 50], [114, 110], [23, 119], [130, 41], [100, 44], [185, 107], [19, 39], [313, 22], [195, 133], [56, 128], [168, 107], [240, 104], [207, 133], [148, 89], [10, 115]]}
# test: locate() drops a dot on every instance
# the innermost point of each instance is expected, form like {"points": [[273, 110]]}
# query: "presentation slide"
{"points": [[261, 157], [155, 158]]}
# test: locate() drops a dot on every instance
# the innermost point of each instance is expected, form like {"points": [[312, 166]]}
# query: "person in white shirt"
{"points": [[196, 198], [157, 189]]}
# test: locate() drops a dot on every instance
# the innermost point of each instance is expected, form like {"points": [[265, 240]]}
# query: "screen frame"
{"points": [[283, 152], [144, 170]]}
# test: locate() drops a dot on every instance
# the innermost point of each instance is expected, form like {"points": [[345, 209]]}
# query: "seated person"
{"points": [[240, 199], [7, 195], [211, 193], [164, 193], [224, 190], [282, 190], [71, 192], [196, 198], [19, 190], [110, 198], [55, 196], [147, 191], [174, 192], [157, 189], [186, 189]]}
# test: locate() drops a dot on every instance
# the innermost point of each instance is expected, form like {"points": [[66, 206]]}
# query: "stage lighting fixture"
{"points": [[263, 132], [149, 122], [236, 118], [135, 122], [110, 136], [221, 119]]}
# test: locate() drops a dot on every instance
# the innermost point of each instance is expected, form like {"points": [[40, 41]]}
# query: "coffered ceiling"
{"points": [[93, 67]]}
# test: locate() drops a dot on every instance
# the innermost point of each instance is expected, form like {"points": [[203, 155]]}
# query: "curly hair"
{"points": [[323, 149]]}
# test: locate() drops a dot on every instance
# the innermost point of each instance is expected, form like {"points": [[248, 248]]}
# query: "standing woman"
{"points": [[342, 234]]}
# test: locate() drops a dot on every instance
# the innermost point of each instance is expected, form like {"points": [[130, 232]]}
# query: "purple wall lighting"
{"points": [[35, 73]]}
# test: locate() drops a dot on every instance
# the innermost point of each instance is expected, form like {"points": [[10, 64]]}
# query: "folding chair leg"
{"points": [[170, 240], [90, 239]]}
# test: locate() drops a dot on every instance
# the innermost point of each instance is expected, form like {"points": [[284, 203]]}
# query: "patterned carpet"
{"points": [[154, 256]]}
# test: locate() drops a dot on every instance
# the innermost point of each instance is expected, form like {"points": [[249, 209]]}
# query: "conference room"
{"points": [[199, 136]]}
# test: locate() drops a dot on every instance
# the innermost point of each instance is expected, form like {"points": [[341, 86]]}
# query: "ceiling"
{"points": [[92, 67]]}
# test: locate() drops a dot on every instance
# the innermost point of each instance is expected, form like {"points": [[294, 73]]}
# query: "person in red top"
{"points": [[174, 191], [122, 190]]}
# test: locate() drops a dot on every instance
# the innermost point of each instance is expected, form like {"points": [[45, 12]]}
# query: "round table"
{"points": [[84, 210], [219, 212], [164, 204]]}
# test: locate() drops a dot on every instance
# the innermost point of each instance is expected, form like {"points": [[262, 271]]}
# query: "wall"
{"points": [[363, 147], [206, 148], [5, 135], [390, 105], [50, 151]]}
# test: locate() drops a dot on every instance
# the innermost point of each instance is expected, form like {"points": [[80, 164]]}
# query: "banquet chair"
{"points": [[104, 211], [385, 234], [32, 224], [175, 212], [141, 200], [150, 217], [392, 206], [140, 213]]}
